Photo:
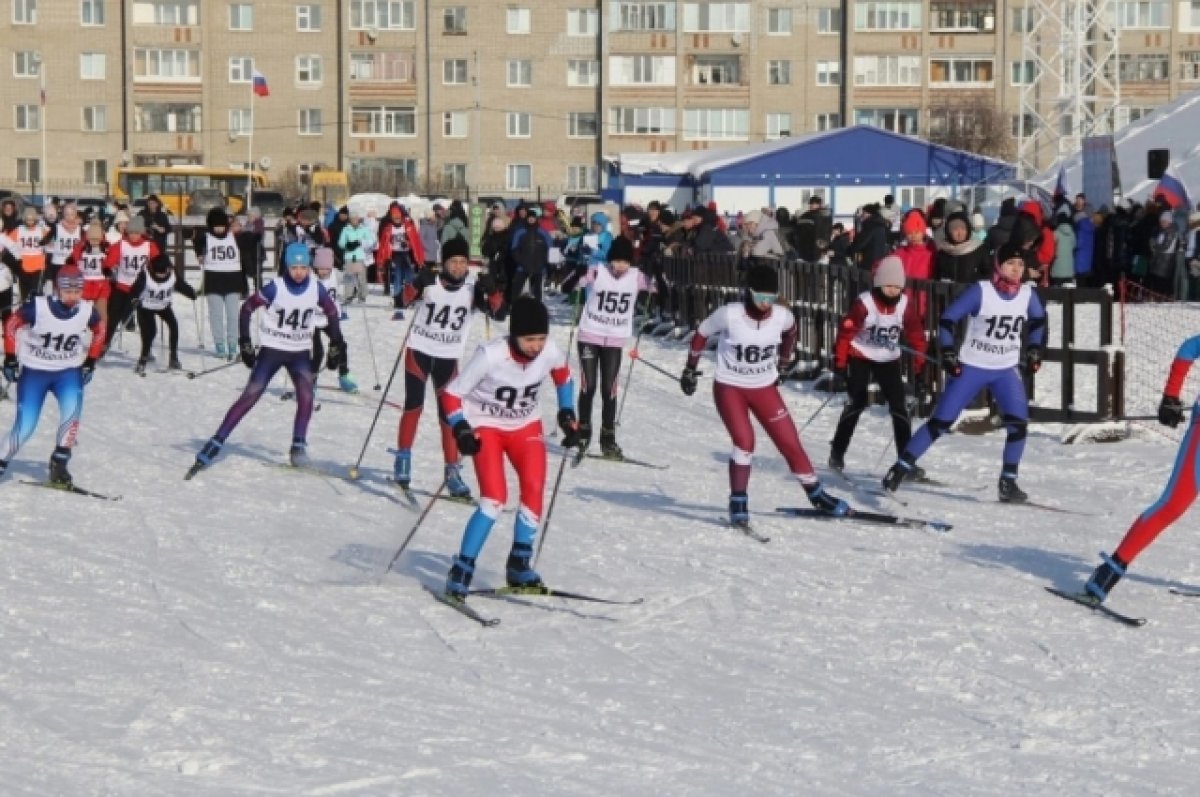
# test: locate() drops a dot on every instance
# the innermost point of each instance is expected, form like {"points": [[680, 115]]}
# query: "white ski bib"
{"points": [[747, 352], [993, 339], [502, 393], [91, 263], [134, 259], [52, 343], [880, 332], [611, 304], [221, 254], [157, 295], [288, 322], [443, 318], [64, 243], [331, 284]]}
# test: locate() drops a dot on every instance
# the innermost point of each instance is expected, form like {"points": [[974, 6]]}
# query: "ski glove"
{"points": [[464, 435], [88, 370], [337, 355], [1170, 411], [246, 349], [950, 363], [12, 367], [1033, 360], [688, 381], [570, 427]]}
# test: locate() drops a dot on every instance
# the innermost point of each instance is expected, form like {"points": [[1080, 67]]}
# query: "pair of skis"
{"points": [[71, 487], [460, 605]]}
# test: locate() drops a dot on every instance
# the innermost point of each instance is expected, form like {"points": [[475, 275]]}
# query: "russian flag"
{"points": [[260, 84], [1173, 192]]}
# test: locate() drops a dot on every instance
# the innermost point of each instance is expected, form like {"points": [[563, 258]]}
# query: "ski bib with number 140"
{"points": [[288, 322]]}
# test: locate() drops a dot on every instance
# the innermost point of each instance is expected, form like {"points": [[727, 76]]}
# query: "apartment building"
{"points": [[522, 96]]}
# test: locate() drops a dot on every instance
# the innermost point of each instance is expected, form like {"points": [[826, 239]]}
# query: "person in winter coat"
{"points": [[961, 257], [9, 218], [455, 224], [597, 251], [401, 251], [706, 236], [917, 253], [158, 223], [250, 249], [1085, 246], [1062, 271], [760, 236], [999, 233], [355, 241], [496, 248], [1164, 255], [335, 234], [223, 283], [531, 254], [871, 243], [1033, 234], [429, 238]]}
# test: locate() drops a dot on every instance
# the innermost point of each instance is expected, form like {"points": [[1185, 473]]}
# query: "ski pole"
{"points": [[633, 360], [675, 377], [813, 417], [562, 466], [222, 367], [395, 367], [413, 531], [370, 345]]}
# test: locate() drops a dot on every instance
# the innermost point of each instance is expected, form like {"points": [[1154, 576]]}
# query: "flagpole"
{"points": [[42, 167], [250, 148]]}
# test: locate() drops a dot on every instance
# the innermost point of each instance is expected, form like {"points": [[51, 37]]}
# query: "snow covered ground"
{"points": [[232, 636]]}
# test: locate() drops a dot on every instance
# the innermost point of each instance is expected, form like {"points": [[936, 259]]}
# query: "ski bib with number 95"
{"points": [[506, 397]]}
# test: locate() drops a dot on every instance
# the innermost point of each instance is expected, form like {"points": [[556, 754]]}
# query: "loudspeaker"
{"points": [[1157, 161]]}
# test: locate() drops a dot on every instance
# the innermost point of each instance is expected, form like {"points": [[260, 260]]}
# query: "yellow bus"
{"points": [[179, 187]]}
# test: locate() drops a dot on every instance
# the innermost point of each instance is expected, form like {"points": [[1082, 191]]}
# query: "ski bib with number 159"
{"points": [[993, 339]]}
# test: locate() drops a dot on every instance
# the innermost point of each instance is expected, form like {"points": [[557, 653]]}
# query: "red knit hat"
{"points": [[914, 221]]}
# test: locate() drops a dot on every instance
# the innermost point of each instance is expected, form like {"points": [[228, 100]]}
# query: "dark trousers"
{"points": [[859, 373], [607, 360], [148, 328], [120, 305]]}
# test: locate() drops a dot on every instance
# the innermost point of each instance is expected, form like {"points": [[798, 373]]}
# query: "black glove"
{"points": [[688, 381], [88, 370], [1170, 411], [950, 363], [838, 383], [1033, 360], [350, 247], [12, 367], [246, 348], [464, 435], [337, 355], [570, 427]]}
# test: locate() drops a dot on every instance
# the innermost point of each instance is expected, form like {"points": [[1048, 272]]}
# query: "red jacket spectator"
{"points": [[398, 222]]}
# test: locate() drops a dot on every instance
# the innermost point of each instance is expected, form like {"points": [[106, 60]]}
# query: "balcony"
{"points": [[962, 18]]}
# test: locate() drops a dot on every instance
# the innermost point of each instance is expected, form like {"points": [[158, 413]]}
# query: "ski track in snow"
{"points": [[230, 635]]}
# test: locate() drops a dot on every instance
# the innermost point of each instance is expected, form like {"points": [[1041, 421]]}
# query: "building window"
{"points": [[581, 177], [176, 66], [517, 21], [166, 12], [95, 118], [91, 12], [308, 70], [829, 21], [24, 12], [829, 73], [384, 122], [310, 122], [518, 177], [963, 17], [641, 121], [308, 18], [454, 175], [1022, 19], [583, 22], [455, 125], [779, 21], [1143, 15], [91, 66], [716, 17], [716, 124], [887, 70], [715, 70], [1127, 115], [394, 173], [1023, 72], [643, 16], [582, 124], [779, 125], [27, 118], [241, 69], [454, 21], [29, 170], [381, 15], [897, 120], [27, 63], [241, 121], [163, 117], [870, 16], [517, 124], [827, 121], [95, 172], [779, 73], [1024, 125], [641, 70], [1189, 66], [960, 125], [454, 71], [583, 73], [1142, 67], [912, 198], [382, 67], [241, 16], [520, 74], [1189, 15], [961, 72]]}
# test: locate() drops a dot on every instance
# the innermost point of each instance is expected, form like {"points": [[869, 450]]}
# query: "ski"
{"points": [[1185, 593], [410, 495], [311, 470], [864, 516], [628, 461], [192, 471], [745, 528], [550, 592], [460, 605], [577, 459], [71, 488], [1090, 602]]}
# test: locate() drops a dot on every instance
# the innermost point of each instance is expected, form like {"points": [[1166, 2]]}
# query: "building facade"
{"points": [[520, 97]]}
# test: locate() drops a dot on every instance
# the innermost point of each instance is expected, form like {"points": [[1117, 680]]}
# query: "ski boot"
{"points": [[174, 364], [232, 351], [585, 436], [915, 474], [1105, 577], [209, 452], [221, 350], [3, 466], [1009, 492], [519, 570], [608, 444], [59, 475], [455, 486], [824, 501], [397, 314], [458, 580], [298, 455], [837, 460], [897, 474], [140, 368], [347, 383], [402, 467], [739, 510]]}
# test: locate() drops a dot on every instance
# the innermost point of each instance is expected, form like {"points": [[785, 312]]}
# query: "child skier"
{"points": [[400, 251], [498, 392], [290, 303], [224, 284], [89, 256], [155, 303], [866, 351], [998, 312], [49, 357], [327, 276], [435, 345], [128, 257], [1181, 488], [758, 334]]}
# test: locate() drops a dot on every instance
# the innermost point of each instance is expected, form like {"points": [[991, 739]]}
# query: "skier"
{"points": [[155, 303], [224, 284], [323, 264], [758, 335], [129, 257], [435, 345], [290, 303], [998, 311], [498, 392], [89, 255], [1181, 487], [65, 234], [866, 351], [49, 357], [605, 326]]}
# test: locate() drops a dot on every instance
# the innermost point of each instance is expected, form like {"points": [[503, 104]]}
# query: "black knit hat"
{"points": [[763, 279], [621, 249], [528, 317], [457, 246], [217, 218], [1009, 250]]}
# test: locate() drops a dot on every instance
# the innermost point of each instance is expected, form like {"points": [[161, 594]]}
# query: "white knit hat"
{"points": [[890, 271]]}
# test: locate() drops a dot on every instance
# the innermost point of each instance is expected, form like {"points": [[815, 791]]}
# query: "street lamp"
{"points": [[40, 63]]}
